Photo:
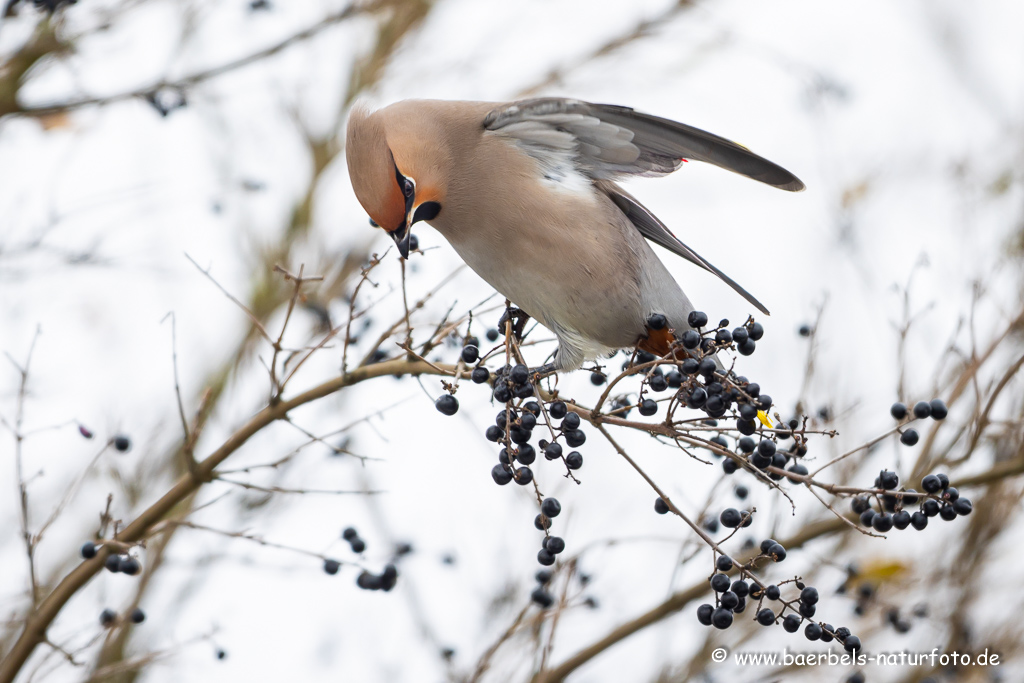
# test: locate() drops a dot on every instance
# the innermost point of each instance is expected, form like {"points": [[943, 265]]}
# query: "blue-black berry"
{"points": [[447, 404]]}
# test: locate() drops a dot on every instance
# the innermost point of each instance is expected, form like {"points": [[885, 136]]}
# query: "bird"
{"points": [[525, 192]]}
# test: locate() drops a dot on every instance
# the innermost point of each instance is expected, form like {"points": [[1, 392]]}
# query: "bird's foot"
{"points": [[518, 317]]}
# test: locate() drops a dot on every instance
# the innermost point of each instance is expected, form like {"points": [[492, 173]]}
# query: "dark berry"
{"points": [[704, 613], [729, 600], [740, 335], [551, 507], [554, 544], [766, 448], [909, 437], [804, 331], [812, 631], [107, 617], [575, 438], [470, 354], [89, 550], [851, 643], [746, 347], [772, 592], [129, 565], [545, 557], [919, 520], [882, 522], [494, 433], [480, 375], [648, 407], [867, 517], [777, 552], [349, 534], [122, 443], [707, 366], [729, 466], [558, 410], [526, 454], [791, 623], [389, 577], [543, 576], [931, 484], [807, 610], [723, 337], [720, 583], [697, 319], [358, 545], [659, 383], [930, 507], [963, 506], [766, 617], [922, 409], [447, 404], [660, 506], [721, 618], [939, 409], [113, 563], [901, 520], [519, 374], [553, 451], [598, 378], [888, 480], [657, 322], [741, 492], [137, 616], [731, 518], [574, 460], [542, 598], [947, 513], [740, 588], [898, 411], [492, 335], [541, 522], [809, 595], [502, 394], [723, 563], [943, 479], [368, 581], [756, 331], [524, 475]]}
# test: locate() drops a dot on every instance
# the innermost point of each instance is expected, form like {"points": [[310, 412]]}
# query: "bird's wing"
{"points": [[607, 141], [656, 231]]}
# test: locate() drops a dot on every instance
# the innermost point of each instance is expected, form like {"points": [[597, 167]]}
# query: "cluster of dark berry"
{"points": [[940, 499], [540, 594], [115, 563], [935, 409], [366, 580], [514, 426], [384, 581], [550, 545], [698, 382], [108, 617], [357, 544]]}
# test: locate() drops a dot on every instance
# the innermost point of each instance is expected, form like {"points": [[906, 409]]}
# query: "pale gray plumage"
{"points": [[524, 193]]}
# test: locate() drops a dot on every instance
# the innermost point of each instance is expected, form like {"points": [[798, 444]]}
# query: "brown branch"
{"points": [[198, 77], [37, 623]]}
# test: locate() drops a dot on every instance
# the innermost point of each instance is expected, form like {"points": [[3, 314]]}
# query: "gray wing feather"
{"points": [[609, 141], [656, 231]]}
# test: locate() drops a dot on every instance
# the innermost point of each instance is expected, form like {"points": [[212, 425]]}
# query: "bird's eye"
{"points": [[374, 223], [408, 187]]}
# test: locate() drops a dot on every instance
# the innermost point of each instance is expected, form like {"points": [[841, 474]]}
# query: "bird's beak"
{"points": [[401, 237]]}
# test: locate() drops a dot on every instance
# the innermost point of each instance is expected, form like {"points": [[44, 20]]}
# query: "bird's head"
{"points": [[395, 169]]}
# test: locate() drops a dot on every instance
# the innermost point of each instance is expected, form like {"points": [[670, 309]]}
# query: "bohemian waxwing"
{"points": [[525, 193]]}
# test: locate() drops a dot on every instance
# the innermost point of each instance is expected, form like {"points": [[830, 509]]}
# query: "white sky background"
{"points": [[911, 111]]}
